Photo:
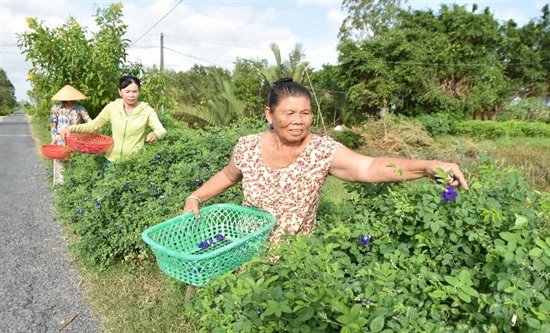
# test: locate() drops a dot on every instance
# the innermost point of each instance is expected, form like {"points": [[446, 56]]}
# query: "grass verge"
{"points": [[143, 300]]}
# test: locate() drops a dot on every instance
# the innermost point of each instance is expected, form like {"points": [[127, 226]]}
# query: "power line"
{"points": [[192, 56], [215, 43], [154, 25]]}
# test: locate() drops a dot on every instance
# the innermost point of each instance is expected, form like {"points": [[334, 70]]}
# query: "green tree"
{"points": [[368, 18], [7, 94], [64, 55], [250, 85], [526, 53], [331, 94], [426, 62]]}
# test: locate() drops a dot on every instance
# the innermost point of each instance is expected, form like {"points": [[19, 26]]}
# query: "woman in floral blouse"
{"points": [[283, 169], [64, 114]]}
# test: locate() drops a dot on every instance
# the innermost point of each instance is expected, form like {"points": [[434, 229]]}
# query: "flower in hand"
{"points": [[449, 194]]}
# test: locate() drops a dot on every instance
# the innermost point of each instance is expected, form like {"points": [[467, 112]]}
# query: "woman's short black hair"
{"points": [[285, 87], [127, 80]]}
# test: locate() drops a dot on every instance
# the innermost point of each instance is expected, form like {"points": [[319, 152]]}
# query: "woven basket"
{"points": [[55, 152], [193, 250], [89, 143]]}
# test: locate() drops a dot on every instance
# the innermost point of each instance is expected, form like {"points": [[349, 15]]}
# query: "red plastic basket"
{"points": [[89, 143], [56, 152]]}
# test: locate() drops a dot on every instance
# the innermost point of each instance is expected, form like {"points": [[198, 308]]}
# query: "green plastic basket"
{"points": [[193, 250]]}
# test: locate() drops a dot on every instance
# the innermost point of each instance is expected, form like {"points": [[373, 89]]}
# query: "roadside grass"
{"points": [[146, 300], [142, 300]]}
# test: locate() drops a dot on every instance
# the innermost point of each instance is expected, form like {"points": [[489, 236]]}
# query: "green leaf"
{"points": [[463, 296], [535, 252], [521, 221], [451, 280], [465, 276], [339, 306], [272, 308], [305, 314], [534, 323], [377, 324], [508, 236], [470, 291], [503, 284], [438, 294]]}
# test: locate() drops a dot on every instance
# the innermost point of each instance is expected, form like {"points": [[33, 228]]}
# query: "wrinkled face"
{"points": [[291, 118], [130, 94]]}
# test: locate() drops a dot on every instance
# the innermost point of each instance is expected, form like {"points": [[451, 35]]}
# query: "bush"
{"points": [[6, 110], [440, 123], [348, 138], [478, 264], [109, 212]]}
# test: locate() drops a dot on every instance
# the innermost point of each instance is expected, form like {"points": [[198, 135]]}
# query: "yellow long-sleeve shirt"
{"points": [[129, 132]]}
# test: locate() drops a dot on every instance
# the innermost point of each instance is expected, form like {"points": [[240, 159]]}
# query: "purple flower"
{"points": [[198, 182], [365, 240], [125, 187], [205, 244], [219, 237], [449, 194]]}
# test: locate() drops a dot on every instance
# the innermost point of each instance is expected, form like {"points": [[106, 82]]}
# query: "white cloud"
{"points": [[336, 16], [202, 32]]}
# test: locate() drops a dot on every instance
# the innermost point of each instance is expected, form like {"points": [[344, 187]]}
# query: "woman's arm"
{"points": [[84, 114], [221, 181], [158, 130], [351, 166], [53, 124]]}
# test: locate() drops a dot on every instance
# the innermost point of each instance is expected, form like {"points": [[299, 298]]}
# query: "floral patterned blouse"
{"points": [[61, 117], [291, 194]]}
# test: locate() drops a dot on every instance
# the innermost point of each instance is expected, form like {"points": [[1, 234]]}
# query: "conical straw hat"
{"points": [[68, 93]]}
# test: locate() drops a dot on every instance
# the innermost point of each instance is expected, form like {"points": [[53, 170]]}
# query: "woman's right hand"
{"points": [[191, 205]]}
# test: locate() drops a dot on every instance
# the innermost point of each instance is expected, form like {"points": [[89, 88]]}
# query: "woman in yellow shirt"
{"points": [[130, 119]]}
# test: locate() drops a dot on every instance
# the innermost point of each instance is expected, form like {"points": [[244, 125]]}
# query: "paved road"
{"points": [[39, 287]]}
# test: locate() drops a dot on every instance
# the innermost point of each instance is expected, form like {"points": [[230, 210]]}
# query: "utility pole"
{"points": [[161, 51]]}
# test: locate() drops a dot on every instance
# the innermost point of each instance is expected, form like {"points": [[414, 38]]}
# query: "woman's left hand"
{"points": [[151, 137]]}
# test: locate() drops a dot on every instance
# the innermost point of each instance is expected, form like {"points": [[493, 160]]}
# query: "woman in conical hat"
{"points": [[65, 113]]}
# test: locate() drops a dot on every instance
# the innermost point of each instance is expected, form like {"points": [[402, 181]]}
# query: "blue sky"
{"points": [[211, 32]]}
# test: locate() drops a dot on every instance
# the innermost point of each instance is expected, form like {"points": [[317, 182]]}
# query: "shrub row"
{"points": [[439, 124], [108, 212], [478, 264]]}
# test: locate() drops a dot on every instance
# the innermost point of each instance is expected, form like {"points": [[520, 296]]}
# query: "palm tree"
{"points": [[221, 106], [295, 67]]}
